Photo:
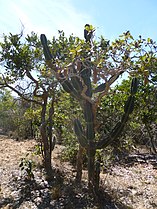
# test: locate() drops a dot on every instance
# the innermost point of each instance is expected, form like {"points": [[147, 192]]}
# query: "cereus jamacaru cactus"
{"points": [[78, 83]]}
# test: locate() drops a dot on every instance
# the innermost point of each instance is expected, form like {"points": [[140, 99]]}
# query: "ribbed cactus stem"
{"points": [[77, 84], [80, 134], [116, 131], [90, 132], [85, 75], [134, 86], [47, 53]]}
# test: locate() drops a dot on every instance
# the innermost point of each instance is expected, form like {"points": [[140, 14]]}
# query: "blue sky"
{"points": [[110, 17]]}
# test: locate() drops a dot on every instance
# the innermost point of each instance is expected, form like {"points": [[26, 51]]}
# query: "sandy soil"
{"points": [[135, 186]]}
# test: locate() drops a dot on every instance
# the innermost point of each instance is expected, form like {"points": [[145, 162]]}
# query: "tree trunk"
{"points": [[91, 169], [79, 164], [47, 165], [46, 151], [46, 142]]}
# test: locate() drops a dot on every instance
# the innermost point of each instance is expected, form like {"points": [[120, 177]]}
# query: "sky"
{"points": [[110, 17]]}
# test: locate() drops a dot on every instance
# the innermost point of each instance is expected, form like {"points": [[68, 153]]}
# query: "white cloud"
{"points": [[50, 16], [22, 16]]}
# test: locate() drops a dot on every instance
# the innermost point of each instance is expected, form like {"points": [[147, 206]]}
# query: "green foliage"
{"points": [[26, 74], [8, 112], [26, 165], [19, 56], [38, 149], [146, 112], [70, 152], [66, 109], [12, 116]]}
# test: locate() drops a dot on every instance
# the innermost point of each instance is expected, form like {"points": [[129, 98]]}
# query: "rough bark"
{"points": [[79, 164], [45, 142]]}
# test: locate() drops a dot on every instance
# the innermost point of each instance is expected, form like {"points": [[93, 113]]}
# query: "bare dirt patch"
{"points": [[125, 186]]}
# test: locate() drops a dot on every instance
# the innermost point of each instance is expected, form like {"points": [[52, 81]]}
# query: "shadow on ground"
{"points": [[62, 193]]}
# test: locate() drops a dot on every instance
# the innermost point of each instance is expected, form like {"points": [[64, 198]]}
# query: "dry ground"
{"points": [[125, 186]]}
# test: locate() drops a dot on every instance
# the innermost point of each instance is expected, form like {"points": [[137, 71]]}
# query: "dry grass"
{"points": [[133, 186]]}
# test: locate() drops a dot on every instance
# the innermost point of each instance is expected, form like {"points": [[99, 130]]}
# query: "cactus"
{"points": [[134, 86], [67, 86], [100, 88], [129, 105], [47, 53], [116, 131], [78, 84], [79, 133]]}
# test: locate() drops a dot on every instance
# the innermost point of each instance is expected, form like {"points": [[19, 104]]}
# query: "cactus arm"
{"points": [[100, 88], [77, 84], [129, 105], [88, 109], [47, 53], [108, 139], [134, 86], [128, 109], [85, 75], [89, 118], [80, 134], [114, 134]]}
